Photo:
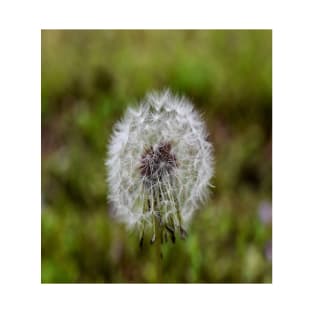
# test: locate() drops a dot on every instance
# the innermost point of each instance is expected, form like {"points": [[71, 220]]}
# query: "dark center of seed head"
{"points": [[158, 161]]}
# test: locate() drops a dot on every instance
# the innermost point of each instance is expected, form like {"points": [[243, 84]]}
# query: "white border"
{"points": [[20, 156]]}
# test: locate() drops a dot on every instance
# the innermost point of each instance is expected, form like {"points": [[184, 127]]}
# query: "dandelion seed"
{"points": [[159, 166]]}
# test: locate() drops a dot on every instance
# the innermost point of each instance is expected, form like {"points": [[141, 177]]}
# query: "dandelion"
{"points": [[159, 166]]}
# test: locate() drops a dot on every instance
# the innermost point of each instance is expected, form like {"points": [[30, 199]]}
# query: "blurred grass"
{"points": [[88, 79]]}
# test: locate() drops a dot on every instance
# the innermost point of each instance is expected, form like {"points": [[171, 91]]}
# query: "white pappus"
{"points": [[159, 165]]}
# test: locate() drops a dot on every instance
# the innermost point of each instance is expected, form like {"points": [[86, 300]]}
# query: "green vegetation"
{"points": [[88, 79]]}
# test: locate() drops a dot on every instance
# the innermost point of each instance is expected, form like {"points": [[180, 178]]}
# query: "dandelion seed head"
{"points": [[159, 162]]}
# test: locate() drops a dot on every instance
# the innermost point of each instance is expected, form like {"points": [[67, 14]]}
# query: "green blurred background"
{"points": [[88, 80]]}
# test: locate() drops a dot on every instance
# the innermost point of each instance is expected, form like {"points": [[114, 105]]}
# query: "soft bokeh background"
{"points": [[88, 80]]}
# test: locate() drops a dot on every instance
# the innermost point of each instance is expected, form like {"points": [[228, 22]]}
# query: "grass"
{"points": [[88, 79]]}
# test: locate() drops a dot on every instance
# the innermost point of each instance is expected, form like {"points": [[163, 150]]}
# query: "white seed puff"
{"points": [[159, 162]]}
